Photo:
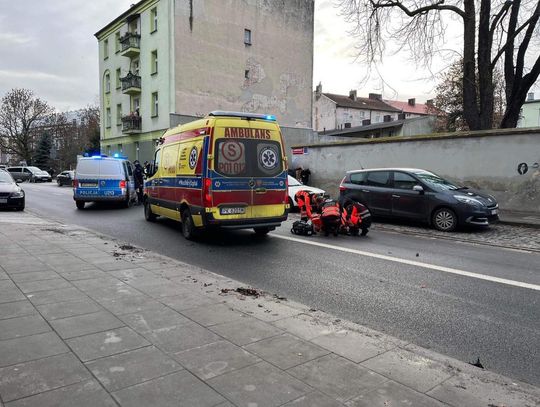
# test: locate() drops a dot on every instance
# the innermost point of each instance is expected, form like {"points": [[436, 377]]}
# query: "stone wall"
{"points": [[486, 160]]}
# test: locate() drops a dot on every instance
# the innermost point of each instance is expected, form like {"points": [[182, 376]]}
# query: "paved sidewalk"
{"points": [[88, 321], [527, 219]]}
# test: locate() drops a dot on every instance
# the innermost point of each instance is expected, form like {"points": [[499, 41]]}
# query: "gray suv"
{"points": [[31, 174], [416, 194]]}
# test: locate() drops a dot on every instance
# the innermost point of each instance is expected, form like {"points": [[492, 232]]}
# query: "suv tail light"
{"points": [[207, 193], [122, 183], [341, 186]]}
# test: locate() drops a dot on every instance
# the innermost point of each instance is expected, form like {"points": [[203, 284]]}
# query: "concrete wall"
{"points": [[212, 59], [530, 114], [487, 160]]}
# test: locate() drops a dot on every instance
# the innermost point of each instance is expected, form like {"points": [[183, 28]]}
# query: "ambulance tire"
{"points": [[188, 227], [80, 204], [262, 231], [148, 214]]}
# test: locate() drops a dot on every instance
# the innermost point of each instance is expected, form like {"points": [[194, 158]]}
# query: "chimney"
{"points": [[401, 116], [412, 102], [429, 102], [375, 96], [366, 122], [352, 95], [318, 91], [387, 118], [530, 96]]}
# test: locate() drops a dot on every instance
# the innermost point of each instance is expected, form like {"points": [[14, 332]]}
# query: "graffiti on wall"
{"points": [[523, 168]]}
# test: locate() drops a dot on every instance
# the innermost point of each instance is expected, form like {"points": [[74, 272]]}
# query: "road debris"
{"points": [[477, 363]]}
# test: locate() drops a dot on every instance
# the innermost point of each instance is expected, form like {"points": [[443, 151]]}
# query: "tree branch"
{"points": [[439, 5]]}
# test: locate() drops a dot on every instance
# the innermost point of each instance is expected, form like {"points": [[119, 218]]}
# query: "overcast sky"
{"points": [[49, 46]]}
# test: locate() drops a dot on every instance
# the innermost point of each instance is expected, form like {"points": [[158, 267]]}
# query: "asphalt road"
{"points": [[413, 288]]}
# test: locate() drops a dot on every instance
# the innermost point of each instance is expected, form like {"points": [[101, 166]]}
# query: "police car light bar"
{"points": [[242, 115]]}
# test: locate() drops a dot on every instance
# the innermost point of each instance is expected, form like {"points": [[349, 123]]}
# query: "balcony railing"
{"points": [[131, 44], [131, 84], [131, 124]]}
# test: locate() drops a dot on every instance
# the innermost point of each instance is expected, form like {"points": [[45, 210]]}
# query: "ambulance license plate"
{"points": [[232, 211]]}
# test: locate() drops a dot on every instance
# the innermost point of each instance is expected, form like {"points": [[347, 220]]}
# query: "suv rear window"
{"points": [[248, 158], [378, 178]]}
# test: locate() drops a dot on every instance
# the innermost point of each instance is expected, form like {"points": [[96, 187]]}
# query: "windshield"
{"points": [[435, 182], [5, 177]]}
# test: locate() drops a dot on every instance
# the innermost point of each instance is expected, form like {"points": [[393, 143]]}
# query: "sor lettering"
{"points": [[238, 132]]}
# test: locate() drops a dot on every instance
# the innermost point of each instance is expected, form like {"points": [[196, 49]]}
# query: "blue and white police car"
{"points": [[101, 178]]}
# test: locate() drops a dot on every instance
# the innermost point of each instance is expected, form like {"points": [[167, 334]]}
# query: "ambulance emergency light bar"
{"points": [[242, 115]]}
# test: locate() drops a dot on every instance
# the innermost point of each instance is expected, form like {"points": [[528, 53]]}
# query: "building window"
{"points": [[246, 74], [117, 79], [136, 102], [108, 117], [107, 83], [154, 62], [153, 20], [247, 37], [154, 104], [105, 49], [117, 42], [119, 114], [135, 66]]}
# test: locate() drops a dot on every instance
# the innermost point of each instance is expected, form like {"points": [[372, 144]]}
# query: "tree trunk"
{"points": [[485, 72], [470, 108]]}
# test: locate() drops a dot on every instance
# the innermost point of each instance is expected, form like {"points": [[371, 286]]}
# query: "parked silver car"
{"points": [[30, 174]]}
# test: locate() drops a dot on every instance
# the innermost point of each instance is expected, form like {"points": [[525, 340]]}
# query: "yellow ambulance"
{"points": [[227, 170]]}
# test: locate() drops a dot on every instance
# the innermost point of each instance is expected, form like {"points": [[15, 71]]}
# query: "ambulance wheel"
{"points": [[148, 214], [261, 231], [80, 204], [188, 227]]}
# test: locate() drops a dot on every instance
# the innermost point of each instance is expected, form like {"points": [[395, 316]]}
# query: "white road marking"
{"points": [[414, 263]]}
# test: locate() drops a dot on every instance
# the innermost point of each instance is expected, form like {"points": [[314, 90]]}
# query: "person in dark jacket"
{"points": [[305, 174], [138, 174]]}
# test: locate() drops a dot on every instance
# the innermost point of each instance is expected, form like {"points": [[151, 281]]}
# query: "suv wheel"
{"points": [[444, 219]]}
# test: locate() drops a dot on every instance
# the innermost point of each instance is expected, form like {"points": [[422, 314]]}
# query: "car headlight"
{"points": [[18, 194], [468, 200]]}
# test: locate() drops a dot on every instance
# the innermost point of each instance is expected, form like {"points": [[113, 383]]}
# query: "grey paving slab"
{"points": [[35, 276], [188, 300], [180, 389], [84, 394], [466, 390], [164, 288], [315, 399], [16, 309], [131, 274], [32, 347], [10, 294], [286, 351], [246, 330], [337, 377], [410, 369], [209, 315], [3, 275], [97, 283], [54, 259], [25, 267], [60, 310], [391, 393], [82, 274], [113, 265], [85, 324], [130, 304], [153, 319], [27, 379], [260, 385], [22, 326], [133, 367], [215, 359], [351, 345], [45, 285], [69, 267], [52, 296], [112, 292], [269, 310], [181, 337], [305, 326], [107, 343]]}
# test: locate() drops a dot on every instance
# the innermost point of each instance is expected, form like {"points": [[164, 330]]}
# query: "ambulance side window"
{"points": [[156, 161]]}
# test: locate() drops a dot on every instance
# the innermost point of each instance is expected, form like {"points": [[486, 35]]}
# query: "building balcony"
{"points": [[131, 84], [131, 124], [131, 45]]}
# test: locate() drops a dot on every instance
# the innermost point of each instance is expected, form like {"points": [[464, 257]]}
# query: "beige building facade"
{"points": [[165, 62]]}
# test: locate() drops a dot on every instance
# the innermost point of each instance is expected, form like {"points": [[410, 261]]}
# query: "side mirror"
{"points": [[419, 189], [18, 180]]}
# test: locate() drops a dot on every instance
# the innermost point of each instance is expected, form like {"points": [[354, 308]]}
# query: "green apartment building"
{"points": [[167, 62]]}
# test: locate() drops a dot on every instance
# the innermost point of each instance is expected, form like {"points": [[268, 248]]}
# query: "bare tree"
{"points": [[498, 31], [20, 114]]}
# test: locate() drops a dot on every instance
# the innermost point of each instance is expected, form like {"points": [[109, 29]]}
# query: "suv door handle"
{"points": [[396, 196], [365, 190]]}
